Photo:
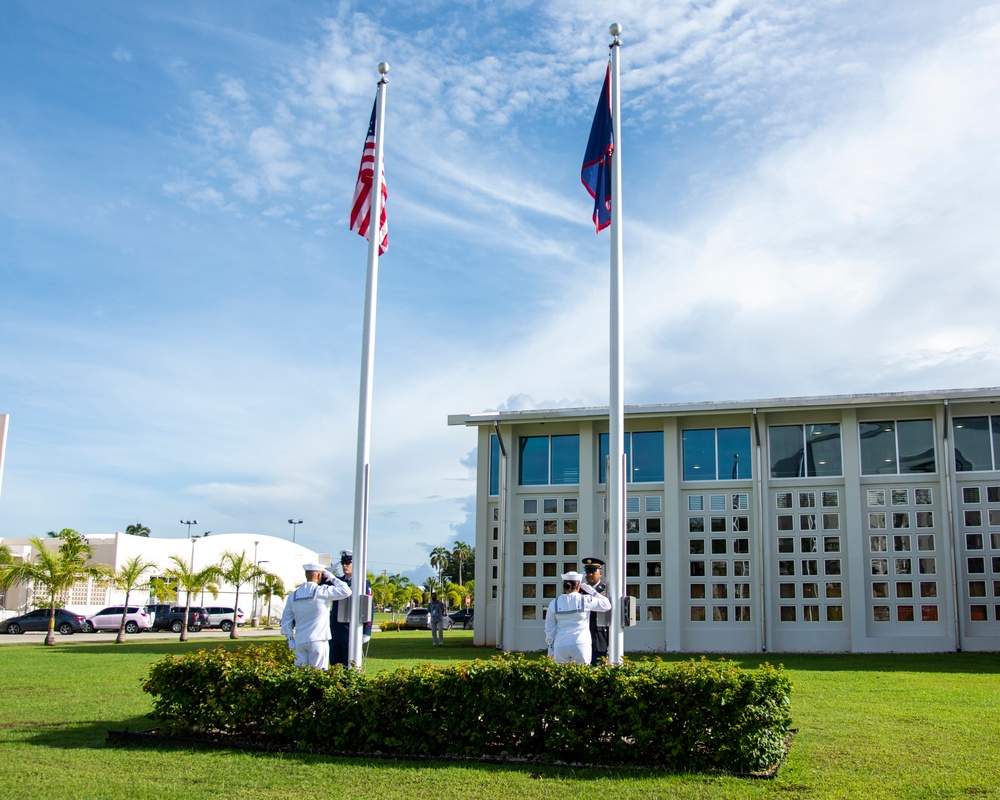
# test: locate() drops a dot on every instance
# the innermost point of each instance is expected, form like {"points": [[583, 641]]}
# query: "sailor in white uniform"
{"points": [[305, 622], [567, 621]]}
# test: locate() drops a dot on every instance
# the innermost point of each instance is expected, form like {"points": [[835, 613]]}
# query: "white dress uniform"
{"points": [[567, 623], [305, 622]]}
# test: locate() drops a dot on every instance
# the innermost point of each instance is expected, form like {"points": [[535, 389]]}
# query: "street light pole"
{"points": [[189, 523], [293, 523]]}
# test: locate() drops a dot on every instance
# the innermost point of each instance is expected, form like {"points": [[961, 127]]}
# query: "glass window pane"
{"points": [[996, 435], [533, 463], [566, 459], [916, 446], [878, 448], [494, 464], [972, 444], [734, 453], [602, 458], [786, 448], [699, 455], [823, 457], [647, 456]]}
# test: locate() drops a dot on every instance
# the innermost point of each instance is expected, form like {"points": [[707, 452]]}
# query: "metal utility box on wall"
{"points": [[629, 616]]}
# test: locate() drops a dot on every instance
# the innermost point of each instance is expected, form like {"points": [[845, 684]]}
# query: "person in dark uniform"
{"points": [[340, 616], [593, 571]]}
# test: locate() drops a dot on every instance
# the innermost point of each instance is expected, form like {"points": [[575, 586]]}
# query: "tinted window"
{"points": [[647, 456], [734, 454], [699, 455], [972, 444], [494, 464], [878, 448], [565, 459], [534, 461]]}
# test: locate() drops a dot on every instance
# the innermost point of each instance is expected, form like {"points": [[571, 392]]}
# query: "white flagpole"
{"points": [[361, 479], [616, 422]]}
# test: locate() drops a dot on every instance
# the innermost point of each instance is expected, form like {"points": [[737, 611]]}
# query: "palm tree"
{"points": [[383, 590], [54, 570], [66, 534], [270, 586], [138, 530], [127, 577], [439, 560], [192, 582], [453, 594], [163, 589], [461, 553], [237, 570], [413, 593]]}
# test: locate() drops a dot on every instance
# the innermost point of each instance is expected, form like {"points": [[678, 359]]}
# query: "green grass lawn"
{"points": [[899, 726]]}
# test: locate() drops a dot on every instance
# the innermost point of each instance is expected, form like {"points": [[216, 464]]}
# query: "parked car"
{"points": [[67, 622], [420, 619], [159, 613], [110, 619], [463, 617], [222, 617], [172, 618]]}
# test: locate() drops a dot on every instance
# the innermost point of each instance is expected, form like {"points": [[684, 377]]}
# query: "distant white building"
{"points": [[862, 523], [279, 556]]}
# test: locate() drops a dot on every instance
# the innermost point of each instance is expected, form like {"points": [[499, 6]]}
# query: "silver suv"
{"points": [[222, 617], [137, 619]]}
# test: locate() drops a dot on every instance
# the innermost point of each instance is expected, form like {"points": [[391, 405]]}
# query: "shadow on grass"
{"points": [[102, 734], [89, 735], [535, 769], [939, 663]]}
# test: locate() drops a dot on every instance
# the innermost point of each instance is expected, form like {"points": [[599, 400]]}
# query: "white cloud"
{"points": [[810, 208]]}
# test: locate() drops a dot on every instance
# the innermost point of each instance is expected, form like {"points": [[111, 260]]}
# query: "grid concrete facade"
{"points": [[880, 533]]}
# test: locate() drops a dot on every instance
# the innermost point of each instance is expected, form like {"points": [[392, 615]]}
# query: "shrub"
{"points": [[391, 625], [692, 716]]}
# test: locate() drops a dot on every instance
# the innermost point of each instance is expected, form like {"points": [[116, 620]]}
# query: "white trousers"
{"points": [[571, 651], [312, 654]]}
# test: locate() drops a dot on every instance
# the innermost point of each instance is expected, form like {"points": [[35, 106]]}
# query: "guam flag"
{"points": [[596, 171]]}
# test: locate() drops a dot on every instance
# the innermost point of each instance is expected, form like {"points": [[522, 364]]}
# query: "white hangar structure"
{"points": [[858, 524], [273, 554]]}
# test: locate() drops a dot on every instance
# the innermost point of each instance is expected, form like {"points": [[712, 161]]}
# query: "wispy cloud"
{"points": [[810, 196]]}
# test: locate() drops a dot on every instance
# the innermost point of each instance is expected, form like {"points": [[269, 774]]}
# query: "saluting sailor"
{"points": [[600, 621], [305, 622], [567, 621], [340, 616]]}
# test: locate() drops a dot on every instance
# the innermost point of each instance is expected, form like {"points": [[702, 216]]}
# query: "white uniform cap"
{"points": [[313, 567], [572, 576]]}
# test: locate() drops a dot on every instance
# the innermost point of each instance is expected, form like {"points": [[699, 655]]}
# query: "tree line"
{"points": [[453, 582]]}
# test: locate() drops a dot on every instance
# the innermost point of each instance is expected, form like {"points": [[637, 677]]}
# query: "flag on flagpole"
{"points": [[361, 208], [596, 171]]}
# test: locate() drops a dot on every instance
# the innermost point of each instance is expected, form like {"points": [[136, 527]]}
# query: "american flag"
{"points": [[361, 208], [596, 171]]}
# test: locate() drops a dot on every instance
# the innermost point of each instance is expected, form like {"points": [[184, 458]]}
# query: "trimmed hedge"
{"points": [[687, 716]]}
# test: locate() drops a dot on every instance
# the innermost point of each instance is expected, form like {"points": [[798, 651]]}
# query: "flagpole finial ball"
{"points": [[383, 67], [615, 29]]}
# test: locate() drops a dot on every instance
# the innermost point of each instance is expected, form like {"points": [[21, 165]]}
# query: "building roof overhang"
{"points": [[933, 397]]}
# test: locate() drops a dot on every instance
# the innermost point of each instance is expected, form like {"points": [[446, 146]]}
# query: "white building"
{"points": [[863, 523], [279, 556]]}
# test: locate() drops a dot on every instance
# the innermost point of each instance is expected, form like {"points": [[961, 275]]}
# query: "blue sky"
{"points": [[811, 201]]}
